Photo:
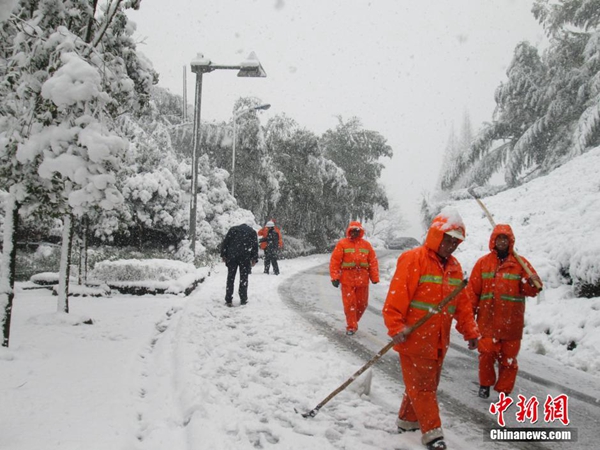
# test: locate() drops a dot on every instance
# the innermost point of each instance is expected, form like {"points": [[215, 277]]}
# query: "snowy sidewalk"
{"points": [[239, 373], [170, 372], [75, 387]]}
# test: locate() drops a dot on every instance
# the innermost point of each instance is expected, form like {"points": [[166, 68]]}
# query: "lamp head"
{"points": [[251, 67]]}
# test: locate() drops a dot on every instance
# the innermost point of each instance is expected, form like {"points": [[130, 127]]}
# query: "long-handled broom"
{"points": [[313, 412]]}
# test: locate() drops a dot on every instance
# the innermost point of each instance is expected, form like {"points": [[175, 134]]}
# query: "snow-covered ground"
{"points": [[176, 372]]}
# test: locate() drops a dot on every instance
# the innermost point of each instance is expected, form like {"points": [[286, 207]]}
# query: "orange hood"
{"points": [[355, 225], [499, 229], [447, 220]]}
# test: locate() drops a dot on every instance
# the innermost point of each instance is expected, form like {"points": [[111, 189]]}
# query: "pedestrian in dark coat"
{"points": [[239, 249]]}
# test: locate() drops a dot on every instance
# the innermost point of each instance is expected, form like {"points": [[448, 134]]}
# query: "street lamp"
{"points": [[251, 67], [235, 118]]}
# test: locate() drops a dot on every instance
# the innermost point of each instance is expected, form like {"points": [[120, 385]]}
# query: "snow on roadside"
{"points": [[74, 387]]}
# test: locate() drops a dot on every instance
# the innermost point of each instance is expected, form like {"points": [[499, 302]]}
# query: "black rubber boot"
{"points": [[484, 392], [437, 444]]}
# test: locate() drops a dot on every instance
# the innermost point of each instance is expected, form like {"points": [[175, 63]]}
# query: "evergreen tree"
{"points": [[358, 151], [310, 202], [548, 110], [448, 170], [156, 182], [256, 179], [455, 156]]}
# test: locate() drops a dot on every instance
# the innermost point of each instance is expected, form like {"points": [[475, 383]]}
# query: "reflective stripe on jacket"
{"points": [[419, 284], [499, 290], [354, 261]]}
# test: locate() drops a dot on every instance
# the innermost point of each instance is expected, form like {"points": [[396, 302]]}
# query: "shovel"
{"points": [[313, 412], [471, 191]]}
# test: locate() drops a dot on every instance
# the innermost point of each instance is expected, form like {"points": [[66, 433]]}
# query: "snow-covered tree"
{"points": [[256, 179], [312, 187], [548, 110], [156, 182], [358, 151], [498, 145], [386, 224], [68, 70], [455, 156]]}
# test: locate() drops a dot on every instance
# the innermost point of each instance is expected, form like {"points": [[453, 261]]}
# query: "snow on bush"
{"points": [[573, 339], [75, 81], [294, 248], [585, 264], [48, 278], [141, 270]]}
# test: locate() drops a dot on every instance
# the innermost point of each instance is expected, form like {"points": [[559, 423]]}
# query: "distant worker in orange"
{"points": [[270, 240], [424, 276], [353, 263], [499, 285]]}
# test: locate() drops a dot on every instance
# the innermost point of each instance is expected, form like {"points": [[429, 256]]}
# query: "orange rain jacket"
{"points": [[420, 283], [499, 291], [262, 233], [354, 261]]}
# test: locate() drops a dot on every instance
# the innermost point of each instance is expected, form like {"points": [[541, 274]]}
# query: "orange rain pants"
{"points": [[356, 299], [419, 404], [505, 352]]}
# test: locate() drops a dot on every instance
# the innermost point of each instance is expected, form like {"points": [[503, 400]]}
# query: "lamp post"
{"points": [[235, 118], [251, 67]]}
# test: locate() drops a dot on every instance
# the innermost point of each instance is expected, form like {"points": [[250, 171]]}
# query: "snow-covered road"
{"points": [[539, 376], [188, 373]]}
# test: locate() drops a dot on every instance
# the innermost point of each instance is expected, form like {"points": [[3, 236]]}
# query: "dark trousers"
{"points": [[232, 268], [271, 258]]}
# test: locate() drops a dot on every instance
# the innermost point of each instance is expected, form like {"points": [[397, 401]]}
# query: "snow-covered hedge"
{"points": [[149, 276], [140, 270], [48, 278], [294, 248]]}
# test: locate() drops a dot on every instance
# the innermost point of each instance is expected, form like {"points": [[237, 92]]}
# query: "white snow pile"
{"points": [[163, 275], [48, 278], [140, 269]]}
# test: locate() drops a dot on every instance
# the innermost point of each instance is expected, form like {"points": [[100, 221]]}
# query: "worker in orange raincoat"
{"points": [[424, 277], [271, 251], [499, 285], [353, 263]]}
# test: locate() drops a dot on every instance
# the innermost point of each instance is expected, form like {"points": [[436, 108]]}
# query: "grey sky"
{"points": [[407, 68]]}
